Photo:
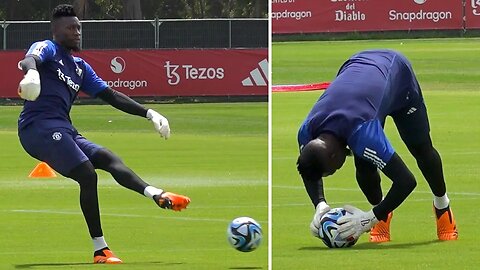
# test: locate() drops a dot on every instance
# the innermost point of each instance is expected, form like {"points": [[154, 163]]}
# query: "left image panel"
{"points": [[134, 133]]}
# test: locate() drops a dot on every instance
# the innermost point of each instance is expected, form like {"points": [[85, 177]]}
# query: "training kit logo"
{"points": [[258, 76], [189, 72], [117, 64], [57, 136]]}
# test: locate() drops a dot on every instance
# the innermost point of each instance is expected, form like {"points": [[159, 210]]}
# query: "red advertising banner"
{"points": [[472, 14], [307, 16], [212, 72]]}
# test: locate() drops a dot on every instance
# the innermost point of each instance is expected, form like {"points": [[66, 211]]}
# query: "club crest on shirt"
{"points": [[57, 136]]}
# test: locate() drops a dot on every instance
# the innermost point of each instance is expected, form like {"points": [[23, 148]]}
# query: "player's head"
{"points": [[66, 27], [322, 157]]}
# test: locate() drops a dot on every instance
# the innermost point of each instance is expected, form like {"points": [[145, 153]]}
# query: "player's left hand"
{"points": [[357, 223], [160, 123]]}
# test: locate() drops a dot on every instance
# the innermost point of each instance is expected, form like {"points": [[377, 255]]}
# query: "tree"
{"points": [[132, 10], [136, 9]]}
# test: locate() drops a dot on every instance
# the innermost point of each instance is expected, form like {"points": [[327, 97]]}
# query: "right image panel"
{"points": [[375, 134]]}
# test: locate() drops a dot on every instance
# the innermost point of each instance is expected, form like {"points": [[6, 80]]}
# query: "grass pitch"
{"points": [[448, 72], [217, 155]]}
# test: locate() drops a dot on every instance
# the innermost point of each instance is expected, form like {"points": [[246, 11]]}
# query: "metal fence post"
{"points": [[230, 33], [4, 26], [157, 33]]}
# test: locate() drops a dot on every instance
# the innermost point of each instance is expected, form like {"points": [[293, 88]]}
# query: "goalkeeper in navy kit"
{"points": [[51, 83], [349, 118]]}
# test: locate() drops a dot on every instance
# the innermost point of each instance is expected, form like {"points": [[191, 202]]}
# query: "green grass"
{"points": [[217, 155], [440, 64], [450, 79]]}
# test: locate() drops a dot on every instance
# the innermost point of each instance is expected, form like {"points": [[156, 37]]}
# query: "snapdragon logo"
{"points": [[421, 15], [174, 73], [476, 7], [117, 65]]}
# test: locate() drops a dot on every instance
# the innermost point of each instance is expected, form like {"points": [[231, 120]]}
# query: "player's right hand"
{"points": [[320, 210], [29, 88]]}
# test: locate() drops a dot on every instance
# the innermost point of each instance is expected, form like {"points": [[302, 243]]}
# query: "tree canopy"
{"points": [[136, 9]]}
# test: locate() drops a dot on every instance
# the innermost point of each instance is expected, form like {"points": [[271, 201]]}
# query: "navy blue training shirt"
{"points": [[368, 87], [61, 77]]}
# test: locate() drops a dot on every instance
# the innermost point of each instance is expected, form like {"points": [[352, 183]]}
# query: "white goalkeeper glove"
{"points": [[320, 210], [159, 122], [357, 223], [29, 88]]}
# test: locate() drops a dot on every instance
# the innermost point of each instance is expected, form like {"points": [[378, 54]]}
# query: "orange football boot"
{"points": [[168, 200], [106, 257], [446, 225], [381, 231]]}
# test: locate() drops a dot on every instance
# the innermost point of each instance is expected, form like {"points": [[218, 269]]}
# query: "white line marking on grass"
{"points": [[48, 211], [363, 201], [353, 189]]}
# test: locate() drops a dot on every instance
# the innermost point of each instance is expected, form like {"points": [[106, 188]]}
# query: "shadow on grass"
{"points": [[62, 265], [364, 246]]}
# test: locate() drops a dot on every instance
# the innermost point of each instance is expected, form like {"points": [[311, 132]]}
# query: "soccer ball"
{"points": [[244, 234], [328, 229]]}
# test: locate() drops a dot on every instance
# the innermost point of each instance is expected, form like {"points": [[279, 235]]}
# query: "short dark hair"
{"points": [[63, 10]]}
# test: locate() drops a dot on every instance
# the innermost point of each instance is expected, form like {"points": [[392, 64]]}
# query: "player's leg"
{"points": [[413, 126], [368, 180], [86, 177], [57, 148], [104, 159]]}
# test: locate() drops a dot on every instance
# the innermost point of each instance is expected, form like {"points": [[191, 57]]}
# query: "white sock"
{"points": [[99, 243], [441, 202], [151, 191]]}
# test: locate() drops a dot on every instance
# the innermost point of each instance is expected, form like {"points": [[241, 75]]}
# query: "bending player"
{"points": [[370, 86], [52, 80]]}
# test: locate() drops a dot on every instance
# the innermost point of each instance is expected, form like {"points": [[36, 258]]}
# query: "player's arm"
{"points": [[124, 103], [403, 184], [96, 87], [29, 62], [369, 142], [313, 183], [29, 87]]}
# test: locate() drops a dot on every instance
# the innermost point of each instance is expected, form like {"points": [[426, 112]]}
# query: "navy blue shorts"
{"points": [[63, 148]]}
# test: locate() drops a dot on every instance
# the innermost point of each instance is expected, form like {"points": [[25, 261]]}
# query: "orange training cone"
{"points": [[42, 170]]}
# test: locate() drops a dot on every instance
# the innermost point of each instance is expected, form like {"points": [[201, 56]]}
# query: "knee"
{"points": [[410, 183], [422, 150], [106, 160], [85, 175]]}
